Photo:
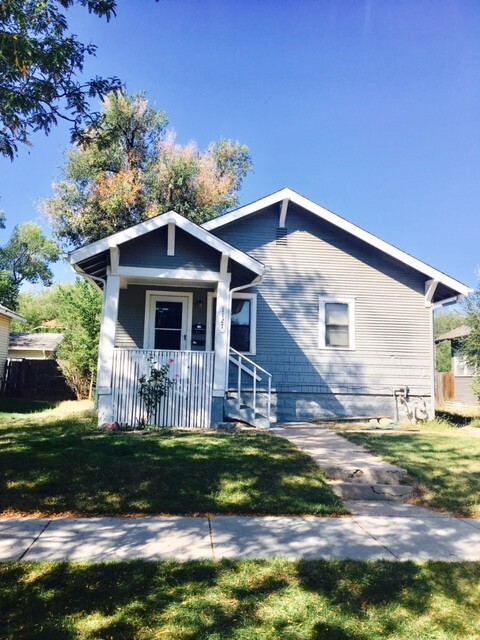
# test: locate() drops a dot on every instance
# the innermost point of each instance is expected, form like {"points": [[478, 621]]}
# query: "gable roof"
{"points": [[88, 251], [35, 341], [4, 311], [292, 196]]}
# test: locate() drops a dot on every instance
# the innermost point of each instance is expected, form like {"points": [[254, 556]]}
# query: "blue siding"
{"points": [[150, 250], [392, 323]]}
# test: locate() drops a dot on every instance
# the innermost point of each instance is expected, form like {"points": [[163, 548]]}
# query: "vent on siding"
{"points": [[282, 236]]}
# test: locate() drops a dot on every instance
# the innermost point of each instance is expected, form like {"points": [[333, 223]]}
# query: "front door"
{"points": [[168, 326]]}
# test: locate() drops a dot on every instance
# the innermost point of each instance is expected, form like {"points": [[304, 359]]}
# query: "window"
{"points": [[336, 326], [242, 325], [460, 367]]}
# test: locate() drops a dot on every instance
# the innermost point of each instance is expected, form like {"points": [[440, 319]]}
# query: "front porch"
{"points": [[190, 401], [173, 293]]}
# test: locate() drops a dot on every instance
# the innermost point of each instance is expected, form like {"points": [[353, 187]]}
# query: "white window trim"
{"points": [[459, 366], [253, 320], [150, 297], [351, 323]]}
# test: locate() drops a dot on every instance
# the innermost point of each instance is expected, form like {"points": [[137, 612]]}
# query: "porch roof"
{"points": [[94, 259]]}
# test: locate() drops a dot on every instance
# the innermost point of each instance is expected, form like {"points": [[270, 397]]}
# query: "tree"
{"points": [[40, 308], [25, 258], [444, 322], [79, 313], [40, 61], [129, 168], [104, 188], [76, 311], [470, 345]]}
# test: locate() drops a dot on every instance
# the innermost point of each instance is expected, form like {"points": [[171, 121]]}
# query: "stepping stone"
{"points": [[366, 475], [358, 491]]}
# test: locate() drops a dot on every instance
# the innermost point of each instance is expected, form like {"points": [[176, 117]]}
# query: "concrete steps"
{"points": [[352, 472], [244, 414]]}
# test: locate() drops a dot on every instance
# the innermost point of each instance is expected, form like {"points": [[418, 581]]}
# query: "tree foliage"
{"points": [[40, 308], [75, 310], [444, 322], [40, 63], [79, 314], [130, 168], [470, 345], [25, 258]]}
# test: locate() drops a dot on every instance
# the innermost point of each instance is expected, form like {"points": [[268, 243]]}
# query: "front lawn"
{"points": [[53, 463], [442, 460], [249, 600]]}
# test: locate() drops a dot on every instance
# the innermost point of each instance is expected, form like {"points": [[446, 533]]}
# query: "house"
{"points": [[34, 346], [457, 386], [6, 317], [279, 309]]}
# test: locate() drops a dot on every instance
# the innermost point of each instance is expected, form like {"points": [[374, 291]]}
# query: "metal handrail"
{"points": [[253, 374]]}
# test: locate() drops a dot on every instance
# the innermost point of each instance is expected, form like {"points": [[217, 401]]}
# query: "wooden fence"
{"points": [[188, 402], [444, 388], [35, 380]]}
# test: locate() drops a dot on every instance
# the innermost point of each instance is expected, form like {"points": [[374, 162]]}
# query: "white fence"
{"points": [[189, 399]]}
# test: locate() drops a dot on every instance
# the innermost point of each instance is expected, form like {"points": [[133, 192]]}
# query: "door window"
{"points": [[168, 325]]}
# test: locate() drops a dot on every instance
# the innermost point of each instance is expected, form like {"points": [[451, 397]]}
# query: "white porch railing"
{"points": [[189, 400], [245, 365]]}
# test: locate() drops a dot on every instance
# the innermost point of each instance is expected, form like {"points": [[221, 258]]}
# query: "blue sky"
{"points": [[370, 108]]}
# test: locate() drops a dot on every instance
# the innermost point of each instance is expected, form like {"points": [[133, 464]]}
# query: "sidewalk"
{"points": [[389, 534]]}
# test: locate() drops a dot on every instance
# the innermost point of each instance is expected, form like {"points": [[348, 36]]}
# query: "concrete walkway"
{"points": [[387, 533], [352, 472], [376, 529]]}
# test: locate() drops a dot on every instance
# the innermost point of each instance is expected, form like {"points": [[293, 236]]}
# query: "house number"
{"points": [[222, 319]]}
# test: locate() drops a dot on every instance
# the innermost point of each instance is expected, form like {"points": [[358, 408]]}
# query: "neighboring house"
{"points": [[280, 290], [6, 317], [37, 346], [460, 381]]}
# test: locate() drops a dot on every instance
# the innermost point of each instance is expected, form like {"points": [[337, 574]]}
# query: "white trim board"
{"points": [[253, 320], [338, 221], [83, 253], [185, 297]]}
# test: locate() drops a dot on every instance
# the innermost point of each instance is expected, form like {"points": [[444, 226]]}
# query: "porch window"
{"points": [[336, 323], [242, 325]]}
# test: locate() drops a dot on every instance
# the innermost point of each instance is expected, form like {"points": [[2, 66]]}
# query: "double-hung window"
{"points": [[337, 323], [242, 325]]}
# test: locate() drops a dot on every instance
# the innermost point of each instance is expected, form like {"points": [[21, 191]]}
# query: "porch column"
{"points": [[222, 325], [105, 349]]}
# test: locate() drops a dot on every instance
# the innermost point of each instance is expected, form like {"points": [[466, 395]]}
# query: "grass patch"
{"points": [[16, 406], [443, 462], [460, 418], [243, 600], [53, 463]]}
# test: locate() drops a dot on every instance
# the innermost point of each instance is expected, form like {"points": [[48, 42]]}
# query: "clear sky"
{"points": [[370, 108]]}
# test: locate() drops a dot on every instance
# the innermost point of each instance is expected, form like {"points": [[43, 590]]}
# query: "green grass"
{"points": [[9, 406], [54, 463], [242, 600], [470, 418], [443, 461]]}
